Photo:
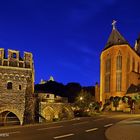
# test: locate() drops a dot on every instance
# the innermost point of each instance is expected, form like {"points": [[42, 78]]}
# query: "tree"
{"points": [[84, 100], [116, 101], [72, 91]]}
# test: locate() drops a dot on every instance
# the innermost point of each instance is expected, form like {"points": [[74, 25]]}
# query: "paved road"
{"points": [[78, 129]]}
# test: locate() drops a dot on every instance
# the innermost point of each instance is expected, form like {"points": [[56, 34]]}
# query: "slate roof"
{"points": [[133, 89], [115, 38]]}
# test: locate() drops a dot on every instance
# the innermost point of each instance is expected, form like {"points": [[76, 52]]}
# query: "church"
{"points": [[119, 67]]}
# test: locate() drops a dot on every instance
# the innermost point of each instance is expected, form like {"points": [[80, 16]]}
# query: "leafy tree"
{"points": [[84, 100], [116, 101], [72, 91]]}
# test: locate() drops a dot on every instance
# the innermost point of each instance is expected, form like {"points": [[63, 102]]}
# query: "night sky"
{"points": [[66, 37]]}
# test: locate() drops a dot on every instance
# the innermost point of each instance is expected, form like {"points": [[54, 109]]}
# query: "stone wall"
{"points": [[12, 98], [54, 111]]}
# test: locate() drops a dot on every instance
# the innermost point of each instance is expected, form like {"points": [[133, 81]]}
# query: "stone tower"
{"points": [[15, 74]]}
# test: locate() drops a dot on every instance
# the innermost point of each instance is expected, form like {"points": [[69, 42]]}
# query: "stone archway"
{"points": [[66, 113], [48, 113], [9, 118]]}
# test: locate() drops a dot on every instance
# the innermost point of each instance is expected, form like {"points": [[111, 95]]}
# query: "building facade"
{"points": [[119, 66], [16, 87]]}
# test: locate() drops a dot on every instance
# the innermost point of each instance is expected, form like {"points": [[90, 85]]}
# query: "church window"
{"points": [[107, 73], [128, 64], [9, 85], [138, 67], [119, 72], [119, 62], [118, 81], [107, 83], [133, 64]]}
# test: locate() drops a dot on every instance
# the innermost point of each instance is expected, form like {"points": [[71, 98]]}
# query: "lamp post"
{"points": [[81, 98]]}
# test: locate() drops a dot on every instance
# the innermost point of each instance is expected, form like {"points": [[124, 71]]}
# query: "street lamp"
{"points": [[81, 98]]}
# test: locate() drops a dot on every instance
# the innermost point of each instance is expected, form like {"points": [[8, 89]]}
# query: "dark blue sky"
{"points": [[66, 36]]}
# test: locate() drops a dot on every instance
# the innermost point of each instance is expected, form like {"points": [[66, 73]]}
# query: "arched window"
{"points": [[119, 72], [133, 64], [128, 63], [138, 67], [119, 61], [9, 85], [107, 73], [127, 70]]}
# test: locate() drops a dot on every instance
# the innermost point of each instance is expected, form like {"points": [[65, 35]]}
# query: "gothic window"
{"points": [[128, 64], [138, 67], [107, 73], [108, 64], [119, 62], [107, 83], [9, 85], [119, 72], [118, 81], [127, 70], [133, 64]]}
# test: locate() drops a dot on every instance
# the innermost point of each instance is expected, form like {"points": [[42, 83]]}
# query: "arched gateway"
{"points": [[10, 117]]}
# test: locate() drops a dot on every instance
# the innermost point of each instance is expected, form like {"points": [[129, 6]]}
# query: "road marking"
{"points": [[80, 123], [63, 136], [107, 125], [46, 128], [98, 119], [93, 129], [16, 132]]}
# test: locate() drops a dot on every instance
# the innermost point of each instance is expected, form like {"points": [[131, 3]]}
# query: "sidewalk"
{"points": [[125, 130]]}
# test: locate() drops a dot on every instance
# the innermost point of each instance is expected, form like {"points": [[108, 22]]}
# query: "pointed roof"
{"points": [[115, 38]]}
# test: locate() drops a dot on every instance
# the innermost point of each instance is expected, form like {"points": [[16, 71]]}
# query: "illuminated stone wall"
{"points": [[50, 108], [18, 71], [129, 76]]}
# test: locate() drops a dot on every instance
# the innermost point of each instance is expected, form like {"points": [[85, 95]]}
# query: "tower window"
{"points": [[14, 55], [19, 87], [9, 85]]}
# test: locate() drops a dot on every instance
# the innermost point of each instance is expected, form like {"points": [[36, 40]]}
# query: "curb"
{"points": [[124, 130]]}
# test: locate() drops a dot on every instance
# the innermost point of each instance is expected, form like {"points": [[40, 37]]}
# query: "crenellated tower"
{"points": [[17, 80]]}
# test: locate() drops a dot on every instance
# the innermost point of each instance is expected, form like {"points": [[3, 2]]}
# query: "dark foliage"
{"points": [[71, 90]]}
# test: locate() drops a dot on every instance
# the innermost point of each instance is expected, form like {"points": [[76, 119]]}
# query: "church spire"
{"points": [[115, 37]]}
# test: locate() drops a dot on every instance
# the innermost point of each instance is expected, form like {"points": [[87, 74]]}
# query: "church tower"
{"points": [[115, 66]]}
